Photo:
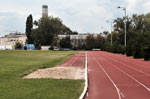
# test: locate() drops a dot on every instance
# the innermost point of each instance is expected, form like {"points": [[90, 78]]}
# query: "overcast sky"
{"points": [[80, 15]]}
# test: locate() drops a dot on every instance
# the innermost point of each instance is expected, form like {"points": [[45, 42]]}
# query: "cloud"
{"points": [[137, 6], [10, 22], [80, 15]]}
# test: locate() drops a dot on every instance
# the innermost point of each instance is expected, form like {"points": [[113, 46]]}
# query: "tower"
{"points": [[44, 11]]}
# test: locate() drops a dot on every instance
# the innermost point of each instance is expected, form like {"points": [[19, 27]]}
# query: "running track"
{"points": [[113, 76], [78, 60]]}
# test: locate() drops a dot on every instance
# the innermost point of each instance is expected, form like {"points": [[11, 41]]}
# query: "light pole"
{"points": [[111, 30], [125, 38]]}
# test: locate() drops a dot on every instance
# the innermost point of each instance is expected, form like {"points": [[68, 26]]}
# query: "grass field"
{"points": [[15, 64]]}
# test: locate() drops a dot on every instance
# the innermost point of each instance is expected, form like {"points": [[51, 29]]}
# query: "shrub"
{"points": [[138, 51], [25, 47], [18, 46], [147, 53], [51, 48], [129, 48]]}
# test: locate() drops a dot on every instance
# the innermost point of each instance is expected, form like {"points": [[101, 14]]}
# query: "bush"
{"points": [[25, 47], [75, 48], [123, 50], [51, 48], [147, 53], [129, 48], [138, 51], [117, 48], [18, 46]]}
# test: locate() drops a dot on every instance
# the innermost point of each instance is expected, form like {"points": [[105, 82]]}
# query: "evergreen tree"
{"points": [[29, 27]]}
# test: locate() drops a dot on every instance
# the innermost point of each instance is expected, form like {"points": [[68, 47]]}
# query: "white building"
{"points": [[8, 41], [79, 39], [76, 40]]}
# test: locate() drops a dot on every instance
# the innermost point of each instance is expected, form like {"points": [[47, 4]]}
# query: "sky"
{"points": [[84, 16]]}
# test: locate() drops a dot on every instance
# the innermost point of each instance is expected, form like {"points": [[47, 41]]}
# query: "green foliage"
{"points": [[147, 53], [90, 42], [138, 46], [18, 46], [29, 27], [46, 31], [129, 47], [65, 42], [117, 48]]}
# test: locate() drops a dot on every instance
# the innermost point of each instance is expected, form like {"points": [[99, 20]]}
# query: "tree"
{"points": [[29, 27], [65, 42], [47, 30], [90, 41]]}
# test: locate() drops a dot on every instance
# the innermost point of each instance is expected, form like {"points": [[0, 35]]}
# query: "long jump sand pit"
{"points": [[74, 73]]}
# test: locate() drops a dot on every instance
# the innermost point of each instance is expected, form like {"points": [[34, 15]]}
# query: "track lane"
{"points": [[99, 88], [141, 76], [75, 61], [130, 60], [128, 85]]}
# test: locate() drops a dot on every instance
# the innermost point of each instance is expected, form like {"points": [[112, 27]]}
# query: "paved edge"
{"points": [[86, 79]]}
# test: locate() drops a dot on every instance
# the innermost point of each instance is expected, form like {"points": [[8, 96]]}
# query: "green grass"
{"points": [[15, 64]]}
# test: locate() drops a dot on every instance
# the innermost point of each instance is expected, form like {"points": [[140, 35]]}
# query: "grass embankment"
{"points": [[15, 64]]}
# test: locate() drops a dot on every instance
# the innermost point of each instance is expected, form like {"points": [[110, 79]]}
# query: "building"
{"points": [[12, 38], [76, 40], [79, 39], [44, 11]]}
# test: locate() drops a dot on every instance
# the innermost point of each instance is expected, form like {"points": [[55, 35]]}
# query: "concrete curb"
{"points": [[86, 79]]}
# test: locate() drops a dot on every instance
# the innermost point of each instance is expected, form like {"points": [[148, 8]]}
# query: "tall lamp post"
{"points": [[111, 30], [125, 38]]}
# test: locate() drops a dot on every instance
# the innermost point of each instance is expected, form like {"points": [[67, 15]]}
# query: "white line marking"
{"points": [[127, 60], [86, 79], [117, 89], [122, 94], [148, 89], [130, 67]]}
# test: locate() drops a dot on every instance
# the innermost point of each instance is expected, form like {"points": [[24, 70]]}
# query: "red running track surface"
{"points": [[78, 60], [113, 76]]}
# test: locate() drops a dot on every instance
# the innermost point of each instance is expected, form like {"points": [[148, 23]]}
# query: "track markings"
{"points": [[117, 89], [127, 60], [148, 89], [130, 67]]}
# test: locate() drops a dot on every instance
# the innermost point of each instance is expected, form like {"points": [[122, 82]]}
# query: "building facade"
{"points": [[76, 40], [12, 39]]}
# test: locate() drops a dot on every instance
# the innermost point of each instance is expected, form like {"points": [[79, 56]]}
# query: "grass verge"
{"points": [[15, 64]]}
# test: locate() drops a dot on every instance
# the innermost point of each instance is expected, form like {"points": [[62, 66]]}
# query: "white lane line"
{"points": [[122, 94], [86, 80], [148, 89], [129, 66], [117, 89], [127, 60]]}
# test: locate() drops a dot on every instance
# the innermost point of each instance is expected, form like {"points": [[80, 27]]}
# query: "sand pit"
{"points": [[58, 73]]}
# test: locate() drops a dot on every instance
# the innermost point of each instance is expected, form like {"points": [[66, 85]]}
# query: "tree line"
{"points": [[47, 29], [138, 37]]}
